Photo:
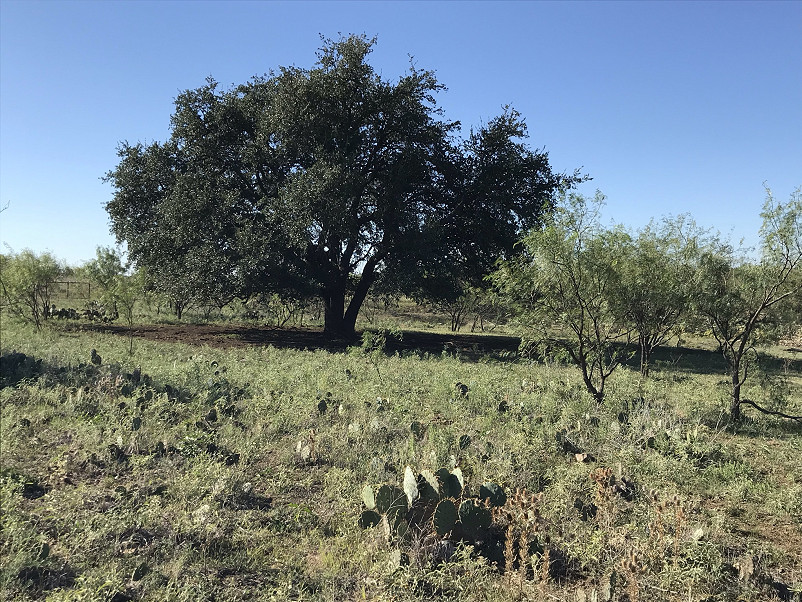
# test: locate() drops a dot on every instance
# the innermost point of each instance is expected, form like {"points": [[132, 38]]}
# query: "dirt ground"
{"points": [[228, 336]]}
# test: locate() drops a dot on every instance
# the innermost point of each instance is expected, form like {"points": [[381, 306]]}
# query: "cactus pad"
{"points": [[450, 482], [474, 516], [391, 501], [445, 517], [428, 488], [369, 518], [410, 486], [493, 493], [368, 498]]}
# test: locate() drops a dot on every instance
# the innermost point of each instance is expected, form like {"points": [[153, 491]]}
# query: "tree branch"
{"points": [[772, 412]]}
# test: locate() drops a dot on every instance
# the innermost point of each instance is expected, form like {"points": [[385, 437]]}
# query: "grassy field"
{"points": [[196, 473]]}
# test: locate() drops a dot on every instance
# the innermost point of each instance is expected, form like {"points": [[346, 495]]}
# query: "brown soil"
{"points": [[227, 336]]}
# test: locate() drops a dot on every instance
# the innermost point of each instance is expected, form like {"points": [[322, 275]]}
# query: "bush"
{"points": [[27, 284]]}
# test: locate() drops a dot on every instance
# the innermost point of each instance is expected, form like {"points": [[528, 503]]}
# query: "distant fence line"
{"points": [[72, 289]]}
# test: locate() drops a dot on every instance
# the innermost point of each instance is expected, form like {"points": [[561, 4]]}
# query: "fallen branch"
{"points": [[772, 412]]}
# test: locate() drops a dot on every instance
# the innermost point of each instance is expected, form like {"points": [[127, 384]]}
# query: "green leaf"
{"points": [[44, 551], [140, 571]]}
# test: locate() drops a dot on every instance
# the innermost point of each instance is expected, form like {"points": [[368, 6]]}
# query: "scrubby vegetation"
{"points": [[596, 461], [176, 472]]}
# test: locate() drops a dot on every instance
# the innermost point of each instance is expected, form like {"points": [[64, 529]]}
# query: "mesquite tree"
{"points": [[738, 297], [566, 284], [27, 283], [656, 271]]}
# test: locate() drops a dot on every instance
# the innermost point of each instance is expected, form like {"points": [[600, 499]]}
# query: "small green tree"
{"points": [[740, 300], [119, 290], [105, 271], [27, 281], [490, 309], [477, 304], [127, 291], [566, 286], [458, 308], [656, 271]]}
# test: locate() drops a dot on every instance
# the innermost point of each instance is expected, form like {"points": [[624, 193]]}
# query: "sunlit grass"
{"points": [[188, 485]]}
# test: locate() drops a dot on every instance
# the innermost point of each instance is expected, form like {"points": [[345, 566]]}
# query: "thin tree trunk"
{"points": [[645, 356], [735, 404], [598, 394], [738, 356]]}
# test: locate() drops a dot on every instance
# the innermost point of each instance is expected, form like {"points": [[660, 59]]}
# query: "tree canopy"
{"points": [[655, 275], [325, 181]]}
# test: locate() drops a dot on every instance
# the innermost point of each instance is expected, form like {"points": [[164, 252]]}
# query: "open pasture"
{"points": [[211, 472]]}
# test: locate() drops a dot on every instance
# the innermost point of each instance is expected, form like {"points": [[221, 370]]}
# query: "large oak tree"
{"points": [[324, 181]]}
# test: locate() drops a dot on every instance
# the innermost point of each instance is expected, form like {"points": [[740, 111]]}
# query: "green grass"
{"points": [[187, 485]]}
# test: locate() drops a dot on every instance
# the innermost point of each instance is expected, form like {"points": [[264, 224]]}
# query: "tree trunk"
{"points": [[339, 322], [735, 358], [333, 311], [598, 394], [735, 404], [348, 321], [645, 356]]}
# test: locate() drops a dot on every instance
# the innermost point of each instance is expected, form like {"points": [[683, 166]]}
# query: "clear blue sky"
{"points": [[671, 107]]}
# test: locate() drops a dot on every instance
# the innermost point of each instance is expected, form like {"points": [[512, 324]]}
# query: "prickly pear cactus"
{"points": [[391, 501], [410, 486], [386, 508], [368, 497], [437, 507], [474, 517], [445, 517], [369, 518], [433, 501], [451, 483], [428, 487], [493, 493]]}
